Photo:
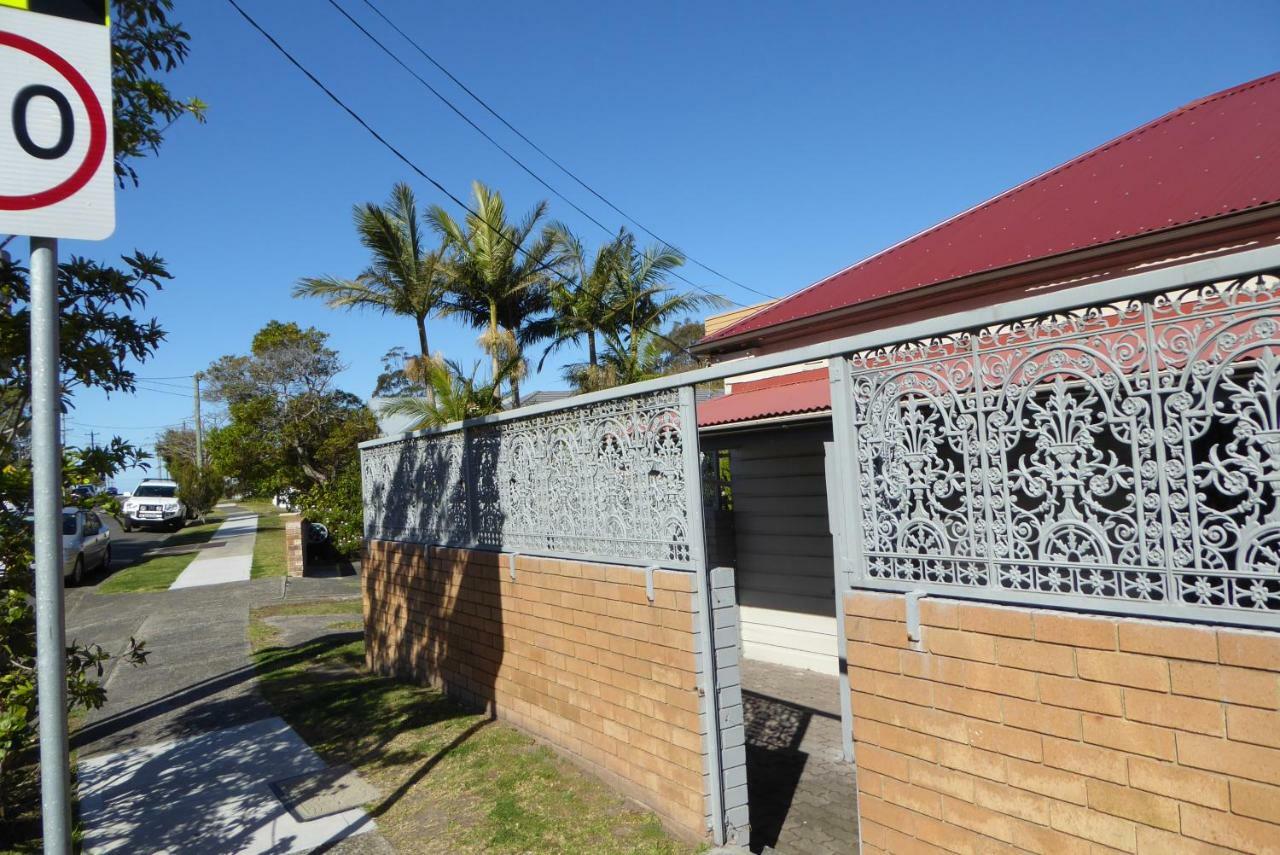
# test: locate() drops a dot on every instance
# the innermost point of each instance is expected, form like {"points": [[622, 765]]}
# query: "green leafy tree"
{"points": [[499, 277], [394, 382], [102, 331], [403, 278], [288, 427], [339, 506], [200, 487], [145, 42]]}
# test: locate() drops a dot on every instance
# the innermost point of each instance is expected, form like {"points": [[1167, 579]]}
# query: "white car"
{"points": [[155, 504]]}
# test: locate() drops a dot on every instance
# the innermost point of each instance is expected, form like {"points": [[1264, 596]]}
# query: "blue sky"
{"points": [[776, 142]]}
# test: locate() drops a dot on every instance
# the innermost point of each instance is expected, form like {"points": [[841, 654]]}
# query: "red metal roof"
{"points": [[784, 395], [1214, 156]]}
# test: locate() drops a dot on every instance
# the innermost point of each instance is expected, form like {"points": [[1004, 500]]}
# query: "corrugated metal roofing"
{"points": [[785, 395], [1214, 156]]}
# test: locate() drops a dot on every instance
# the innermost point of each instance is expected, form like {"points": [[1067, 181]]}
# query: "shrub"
{"points": [[339, 505]]}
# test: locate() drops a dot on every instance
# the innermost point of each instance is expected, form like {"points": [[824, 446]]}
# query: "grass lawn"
{"points": [[268, 546], [158, 573], [451, 780]]}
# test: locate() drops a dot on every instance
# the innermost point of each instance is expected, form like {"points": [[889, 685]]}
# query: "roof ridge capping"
{"points": [[751, 322]]}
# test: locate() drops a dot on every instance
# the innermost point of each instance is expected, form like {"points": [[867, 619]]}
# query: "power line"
{"points": [[167, 384], [171, 377], [543, 267], [517, 161], [75, 425], [164, 391], [555, 162]]}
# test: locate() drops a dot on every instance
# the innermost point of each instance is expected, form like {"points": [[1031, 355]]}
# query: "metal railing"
{"points": [[1121, 456], [1055, 449], [606, 481]]}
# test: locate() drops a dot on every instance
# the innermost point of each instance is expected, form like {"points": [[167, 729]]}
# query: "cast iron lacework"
{"points": [[1128, 451], [604, 481]]}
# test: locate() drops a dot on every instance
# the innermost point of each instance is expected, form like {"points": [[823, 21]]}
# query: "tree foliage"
{"points": [[499, 277], [289, 428], [457, 394], [393, 382], [145, 42], [403, 278], [200, 487], [102, 331]]}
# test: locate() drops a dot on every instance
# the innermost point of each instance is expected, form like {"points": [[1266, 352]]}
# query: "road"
{"points": [[126, 549]]}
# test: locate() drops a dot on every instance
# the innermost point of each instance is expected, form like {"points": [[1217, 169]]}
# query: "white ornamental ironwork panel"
{"points": [[605, 481], [1127, 451]]}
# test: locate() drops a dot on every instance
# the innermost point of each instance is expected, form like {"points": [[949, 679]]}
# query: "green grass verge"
{"points": [[158, 573], [452, 780], [268, 546]]}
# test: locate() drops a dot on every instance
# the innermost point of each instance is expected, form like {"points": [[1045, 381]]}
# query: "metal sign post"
{"points": [[56, 179], [51, 639]]}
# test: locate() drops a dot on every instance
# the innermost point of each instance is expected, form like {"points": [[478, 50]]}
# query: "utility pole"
{"points": [[91, 436], [199, 428]]}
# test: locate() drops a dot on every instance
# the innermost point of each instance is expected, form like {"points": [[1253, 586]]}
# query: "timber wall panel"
{"points": [[1027, 730], [572, 652]]}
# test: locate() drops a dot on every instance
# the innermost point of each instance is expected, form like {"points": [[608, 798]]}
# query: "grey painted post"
{"points": [[698, 560], [842, 502], [836, 512], [51, 637]]}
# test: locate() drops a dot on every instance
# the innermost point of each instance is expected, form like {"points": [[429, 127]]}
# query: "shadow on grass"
{"points": [[344, 712], [209, 715]]}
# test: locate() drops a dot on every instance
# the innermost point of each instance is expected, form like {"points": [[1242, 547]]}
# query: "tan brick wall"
{"points": [[295, 554], [1021, 730], [572, 652]]}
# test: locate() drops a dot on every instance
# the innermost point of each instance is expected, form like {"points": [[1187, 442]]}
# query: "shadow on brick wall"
{"points": [[437, 611]]}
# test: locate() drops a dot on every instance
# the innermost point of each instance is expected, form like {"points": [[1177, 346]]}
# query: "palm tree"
{"points": [[582, 306], [457, 395], [402, 278], [499, 277], [642, 304]]}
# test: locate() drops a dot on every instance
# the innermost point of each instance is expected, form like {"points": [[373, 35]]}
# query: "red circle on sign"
{"points": [[97, 129]]}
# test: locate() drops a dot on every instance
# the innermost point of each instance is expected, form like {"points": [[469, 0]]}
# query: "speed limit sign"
{"points": [[56, 172]]}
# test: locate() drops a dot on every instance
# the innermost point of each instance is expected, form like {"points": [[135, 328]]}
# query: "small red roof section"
{"points": [[1212, 157], [784, 395]]}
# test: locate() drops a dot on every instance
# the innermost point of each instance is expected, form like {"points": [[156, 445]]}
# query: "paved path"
{"points": [[180, 757], [801, 790], [230, 561]]}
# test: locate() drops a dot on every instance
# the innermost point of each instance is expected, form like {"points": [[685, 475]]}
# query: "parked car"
{"points": [[111, 491], [86, 543], [155, 504], [84, 491]]}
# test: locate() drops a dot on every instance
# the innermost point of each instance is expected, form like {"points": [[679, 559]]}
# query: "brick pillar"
{"points": [[295, 552]]}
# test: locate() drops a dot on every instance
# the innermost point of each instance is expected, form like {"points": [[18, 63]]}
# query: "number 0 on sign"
{"points": [[57, 176]]}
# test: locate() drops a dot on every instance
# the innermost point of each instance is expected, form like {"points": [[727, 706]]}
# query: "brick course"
{"points": [[1024, 730], [571, 652]]}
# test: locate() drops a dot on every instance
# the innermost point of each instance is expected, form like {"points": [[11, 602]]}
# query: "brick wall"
{"points": [[1021, 730], [573, 652], [295, 551]]}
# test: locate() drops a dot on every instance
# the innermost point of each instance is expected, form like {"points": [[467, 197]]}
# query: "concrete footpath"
{"points": [[181, 757], [226, 557]]}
